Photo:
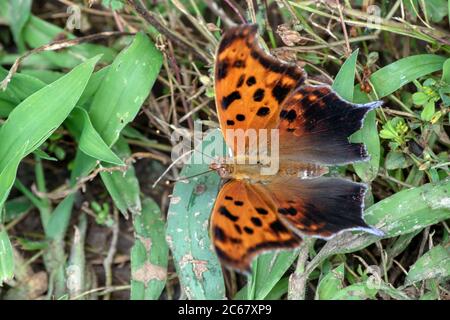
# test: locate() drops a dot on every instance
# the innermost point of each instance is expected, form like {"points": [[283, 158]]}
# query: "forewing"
{"points": [[250, 85]]}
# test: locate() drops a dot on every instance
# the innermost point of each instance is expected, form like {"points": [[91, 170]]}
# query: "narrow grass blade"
{"points": [[150, 253], [433, 264], [188, 226]]}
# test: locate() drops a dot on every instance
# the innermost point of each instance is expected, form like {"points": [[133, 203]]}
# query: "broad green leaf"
{"points": [[20, 87], [331, 284], [19, 12], [90, 141], [433, 264], [16, 207], [46, 76], [344, 82], [436, 9], [267, 270], [6, 257], [368, 170], [190, 207], [428, 111], [35, 119], [392, 77], [123, 186], [125, 87], [395, 160], [131, 76], [150, 253]]}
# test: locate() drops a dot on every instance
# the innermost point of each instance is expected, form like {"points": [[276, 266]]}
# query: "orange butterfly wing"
{"points": [[245, 222], [250, 85]]}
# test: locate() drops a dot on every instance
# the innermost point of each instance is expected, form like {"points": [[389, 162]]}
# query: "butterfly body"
{"points": [[249, 169], [270, 202]]}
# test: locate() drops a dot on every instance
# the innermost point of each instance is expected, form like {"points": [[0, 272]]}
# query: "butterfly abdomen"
{"points": [[254, 172]]}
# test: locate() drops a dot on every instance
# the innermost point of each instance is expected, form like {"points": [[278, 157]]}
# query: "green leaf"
{"points": [[368, 135], [396, 160], [331, 284], [123, 186], [35, 119], [395, 75], [125, 87], [344, 82], [436, 9], [419, 98], [19, 12], [190, 207], [428, 111], [267, 270], [433, 264], [90, 141], [6, 257], [150, 253], [130, 76]]}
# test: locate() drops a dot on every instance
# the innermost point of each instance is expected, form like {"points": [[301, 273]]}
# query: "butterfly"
{"points": [[254, 213]]}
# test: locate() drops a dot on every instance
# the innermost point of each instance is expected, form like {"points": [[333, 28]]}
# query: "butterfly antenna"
{"points": [[193, 176], [171, 166]]}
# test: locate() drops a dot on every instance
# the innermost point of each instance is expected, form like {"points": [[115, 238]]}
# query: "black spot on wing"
{"points": [[251, 81], [240, 81], [258, 95], [224, 211], [278, 227], [239, 203], [222, 69], [240, 117], [238, 228], [230, 122], [219, 234], [290, 115], [262, 211], [279, 92], [256, 221], [239, 64], [248, 230], [263, 111], [228, 198], [229, 99]]}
